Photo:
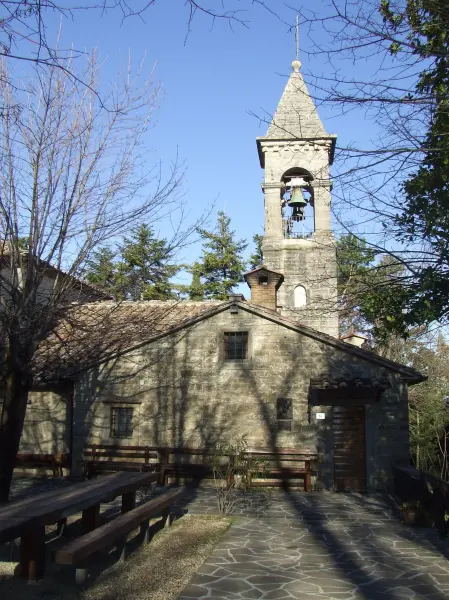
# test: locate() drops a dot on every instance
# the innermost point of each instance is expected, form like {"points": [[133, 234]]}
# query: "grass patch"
{"points": [[158, 571]]}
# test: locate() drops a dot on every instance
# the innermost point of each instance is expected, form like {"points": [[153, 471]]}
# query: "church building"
{"points": [[270, 367]]}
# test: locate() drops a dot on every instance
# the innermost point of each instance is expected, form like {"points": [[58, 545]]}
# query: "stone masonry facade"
{"points": [[183, 392], [312, 265], [48, 417]]}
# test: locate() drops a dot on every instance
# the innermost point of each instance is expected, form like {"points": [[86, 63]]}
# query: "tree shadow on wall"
{"points": [[358, 552], [45, 429], [171, 388]]}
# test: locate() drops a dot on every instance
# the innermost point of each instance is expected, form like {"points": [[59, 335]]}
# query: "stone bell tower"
{"points": [[296, 154]]}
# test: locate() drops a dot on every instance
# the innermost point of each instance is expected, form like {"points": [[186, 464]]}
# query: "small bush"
{"points": [[232, 466]]}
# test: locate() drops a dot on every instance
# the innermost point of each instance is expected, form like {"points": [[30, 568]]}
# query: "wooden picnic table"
{"points": [[28, 518]]}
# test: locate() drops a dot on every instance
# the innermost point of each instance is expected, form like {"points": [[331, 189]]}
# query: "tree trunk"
{"points": [[11, 426]]}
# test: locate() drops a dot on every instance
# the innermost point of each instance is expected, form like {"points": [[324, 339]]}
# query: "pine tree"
{"points": [[196, 288], [146, 268], [370, 289], [256, 258], [102, 270], [355, 270], [222, 265]]}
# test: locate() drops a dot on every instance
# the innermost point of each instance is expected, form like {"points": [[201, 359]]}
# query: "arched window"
{"points": [[300, 296]]}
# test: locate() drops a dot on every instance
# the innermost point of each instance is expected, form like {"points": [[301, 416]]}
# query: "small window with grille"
{"points": [[121, 422], [236, 345], [284, 413]]}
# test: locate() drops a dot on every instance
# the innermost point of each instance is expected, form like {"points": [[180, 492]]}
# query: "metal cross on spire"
{"points": [[296, 64], [297, 37]]}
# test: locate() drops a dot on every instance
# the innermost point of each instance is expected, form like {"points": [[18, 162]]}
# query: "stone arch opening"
{"points": [[299, 296], [298, 219], [297, 172]]}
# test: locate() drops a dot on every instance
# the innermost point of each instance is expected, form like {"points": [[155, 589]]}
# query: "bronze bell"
{"points": [[298, 203]]}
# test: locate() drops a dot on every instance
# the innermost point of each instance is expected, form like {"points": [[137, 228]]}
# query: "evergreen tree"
{"points": [[146, 269], [256, 258], [370, 288], [222, 265], [102, 270], [354, 263], [196, 288], [426, 207]]}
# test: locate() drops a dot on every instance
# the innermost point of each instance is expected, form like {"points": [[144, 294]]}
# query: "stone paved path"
{"points": [[23, 487], [313, 546], [319, 546]]}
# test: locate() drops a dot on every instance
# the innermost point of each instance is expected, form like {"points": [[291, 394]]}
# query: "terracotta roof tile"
{"points": [[91, 332], [94, 332]]}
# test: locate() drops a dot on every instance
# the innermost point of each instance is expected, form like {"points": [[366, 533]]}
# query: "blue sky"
{"points": [[211, 82]]}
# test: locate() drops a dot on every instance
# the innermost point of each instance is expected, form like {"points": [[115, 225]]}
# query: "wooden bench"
{"points": [[177, 469], [80, 549], [170, 462], [28, 518], [281, 472], [55, 462], [104, 458]]}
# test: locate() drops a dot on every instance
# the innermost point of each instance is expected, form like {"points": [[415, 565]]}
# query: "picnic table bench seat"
{"points": [[77, 551], [28, 518]]}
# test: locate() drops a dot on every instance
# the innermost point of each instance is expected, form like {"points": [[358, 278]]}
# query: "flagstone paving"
{"points": [[23, 487], [319, 546]]}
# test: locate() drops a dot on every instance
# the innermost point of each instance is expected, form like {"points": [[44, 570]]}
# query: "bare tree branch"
{"points": [[72, 177]]}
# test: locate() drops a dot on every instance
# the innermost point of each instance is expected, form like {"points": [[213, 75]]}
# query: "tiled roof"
{"points": [[409, 374], [91, 332]]}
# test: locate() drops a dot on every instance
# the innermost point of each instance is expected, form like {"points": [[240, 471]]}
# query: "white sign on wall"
{"points": [[320, 416]]}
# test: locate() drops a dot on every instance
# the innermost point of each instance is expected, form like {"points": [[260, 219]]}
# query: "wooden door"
{"points": [[349, 447]]}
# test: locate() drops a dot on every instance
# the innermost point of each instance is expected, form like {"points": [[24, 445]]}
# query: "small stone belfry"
{"points": [[296, 154]]}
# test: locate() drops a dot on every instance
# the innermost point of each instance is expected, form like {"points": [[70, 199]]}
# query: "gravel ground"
{"points": [[158, 571]]}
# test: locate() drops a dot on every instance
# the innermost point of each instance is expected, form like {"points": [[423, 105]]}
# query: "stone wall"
{"points": [[311, 261], [312, 264], [184, 393], [47, 422]]}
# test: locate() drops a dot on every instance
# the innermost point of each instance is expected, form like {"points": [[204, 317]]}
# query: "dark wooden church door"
{"points": [[349, 447]]}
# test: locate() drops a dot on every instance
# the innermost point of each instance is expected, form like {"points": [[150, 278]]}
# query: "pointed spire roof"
{"points": [[296, 116]]}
